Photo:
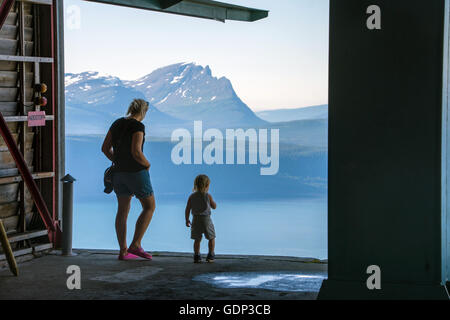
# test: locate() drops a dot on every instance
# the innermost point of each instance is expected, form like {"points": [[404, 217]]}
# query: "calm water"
{"points": [[292, 227]]}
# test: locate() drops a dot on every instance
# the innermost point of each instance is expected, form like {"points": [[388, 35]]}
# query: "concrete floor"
{"points": [[167, 276]]}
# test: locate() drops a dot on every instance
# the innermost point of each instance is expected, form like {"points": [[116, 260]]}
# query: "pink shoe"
{"points": [[141, 253], [127, 257]]}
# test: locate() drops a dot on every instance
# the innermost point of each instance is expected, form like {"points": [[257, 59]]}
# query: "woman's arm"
{"points": [[187, 212], [107, 146], [211, 202], [136, 149]]}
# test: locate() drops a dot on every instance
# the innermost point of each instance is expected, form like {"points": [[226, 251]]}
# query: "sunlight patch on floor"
{"points": [[277, 281]]}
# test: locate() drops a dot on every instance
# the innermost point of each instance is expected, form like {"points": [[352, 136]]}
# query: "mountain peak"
{"points": [[187, 91], [208, 71], [182, 84], [74, 78]]}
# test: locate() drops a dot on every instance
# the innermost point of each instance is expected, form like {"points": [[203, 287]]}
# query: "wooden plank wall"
{"points": [[9, 106]]}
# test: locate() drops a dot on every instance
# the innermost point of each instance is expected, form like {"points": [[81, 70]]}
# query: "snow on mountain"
{"points": [[180, 93], [190, 92], [95, 91], [94, 101], [181, 85]]}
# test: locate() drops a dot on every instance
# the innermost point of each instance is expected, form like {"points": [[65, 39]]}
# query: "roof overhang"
{"points": [[194, 8]]}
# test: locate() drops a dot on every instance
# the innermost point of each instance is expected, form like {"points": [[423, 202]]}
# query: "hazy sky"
{"points": [[278, 62]]}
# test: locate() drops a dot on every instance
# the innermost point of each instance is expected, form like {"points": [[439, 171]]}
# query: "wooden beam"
{"points": [[27, 235], [42, 2], [36, 176], [25, 118], [25, 59], [17, 253], [21, 252], [9, 255], [10, 223]]}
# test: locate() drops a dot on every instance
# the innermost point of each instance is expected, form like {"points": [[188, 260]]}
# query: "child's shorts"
{"points": [[202, 225]]}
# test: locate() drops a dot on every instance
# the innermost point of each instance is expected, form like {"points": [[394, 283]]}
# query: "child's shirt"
{"points": [[200, 205]]}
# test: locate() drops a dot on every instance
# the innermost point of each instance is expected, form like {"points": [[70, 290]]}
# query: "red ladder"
{"points": [[5, 7], [26, 175]]}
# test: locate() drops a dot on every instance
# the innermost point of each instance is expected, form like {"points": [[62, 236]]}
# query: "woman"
{"points": [[124, 145]]}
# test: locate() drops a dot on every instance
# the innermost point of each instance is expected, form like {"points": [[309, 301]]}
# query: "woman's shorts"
{"points": [[202, 225], [133, 183]]}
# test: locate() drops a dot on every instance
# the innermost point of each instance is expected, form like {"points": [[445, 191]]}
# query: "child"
{"points": [[200, 203]]}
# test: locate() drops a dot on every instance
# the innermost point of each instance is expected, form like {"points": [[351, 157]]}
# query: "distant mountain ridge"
{"points": [[94, 101], [306, 113], [178, 94]]}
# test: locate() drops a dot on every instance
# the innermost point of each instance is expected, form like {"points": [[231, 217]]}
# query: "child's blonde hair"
{"points": [[138, 107], [201, 183]]}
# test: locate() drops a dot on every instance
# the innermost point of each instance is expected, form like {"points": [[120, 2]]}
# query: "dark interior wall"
{"points": [[384, 141]]}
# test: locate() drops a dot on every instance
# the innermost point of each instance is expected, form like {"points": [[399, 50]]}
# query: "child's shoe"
{"points": [[197, 258], [210, 257]]}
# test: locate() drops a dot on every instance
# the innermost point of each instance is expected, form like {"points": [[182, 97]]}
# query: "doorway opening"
{"points": [[265, 77]]}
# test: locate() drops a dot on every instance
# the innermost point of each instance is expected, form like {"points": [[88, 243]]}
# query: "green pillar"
{"points": [[385, 155]]}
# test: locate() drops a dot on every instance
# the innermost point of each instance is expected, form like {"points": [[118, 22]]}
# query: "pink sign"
{"points": [[36, 118]]}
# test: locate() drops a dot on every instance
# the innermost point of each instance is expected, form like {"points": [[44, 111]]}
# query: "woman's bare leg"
{"points": [[121, 222], [148, 208]]}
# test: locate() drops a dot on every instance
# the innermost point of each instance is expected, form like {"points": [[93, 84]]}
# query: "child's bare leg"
{"points": [[211, 245], [197, 246]]}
